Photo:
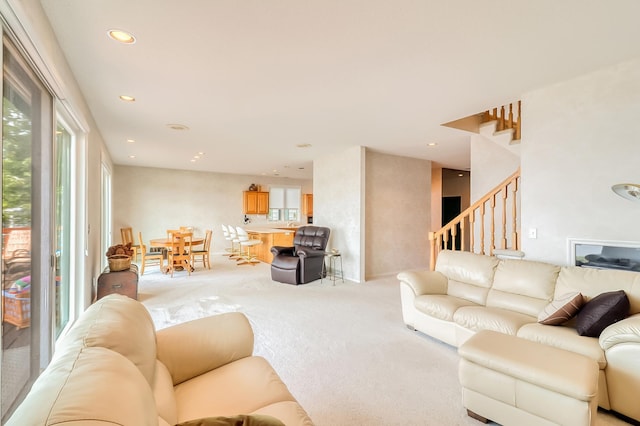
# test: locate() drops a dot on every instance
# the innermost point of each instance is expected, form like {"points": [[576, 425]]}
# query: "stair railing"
{"points": [[490, 223], [512, 120]]}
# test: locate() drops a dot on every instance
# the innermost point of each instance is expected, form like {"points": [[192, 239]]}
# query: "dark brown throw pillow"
{"points": [[562, 309], [602, 311], [239, 420]]}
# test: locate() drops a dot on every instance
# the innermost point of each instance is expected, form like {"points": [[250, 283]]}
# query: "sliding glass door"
{"points": [[26, 224]]}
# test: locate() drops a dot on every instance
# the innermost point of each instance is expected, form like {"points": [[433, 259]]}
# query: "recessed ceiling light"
{"points": [[127, 98], [201, 153], [132, 156], [193, 160], [131, 140], [304, 145], [432, 144], [460, 174], [176, 126], [195, 157], [121, 36]]}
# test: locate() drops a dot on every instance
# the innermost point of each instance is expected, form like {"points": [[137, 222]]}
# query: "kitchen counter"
{"points": [[270, 237]]}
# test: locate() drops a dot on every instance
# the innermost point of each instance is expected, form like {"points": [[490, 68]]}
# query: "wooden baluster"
{"points": [[495, 114], [493, 225], [482, 210], [446, 239], [472, 231], [463, 246], [501, 119], [432, 255], [518, 133], [515, 241], [510, 120], [454, 233], [503, 243]]}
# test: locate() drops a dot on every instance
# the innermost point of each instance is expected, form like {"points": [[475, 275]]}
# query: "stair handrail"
{"points": [[437, 238]]}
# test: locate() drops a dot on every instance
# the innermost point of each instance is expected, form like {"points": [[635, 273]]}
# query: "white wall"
{"points": [[398, 214], [338, 203], [490, 165], [152, 200], [580, 137]]}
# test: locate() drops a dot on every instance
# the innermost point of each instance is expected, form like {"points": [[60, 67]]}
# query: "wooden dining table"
{"points": [[165, 243]]}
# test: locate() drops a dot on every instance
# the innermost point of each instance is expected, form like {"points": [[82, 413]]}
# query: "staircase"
{"points": [[489, 226]]}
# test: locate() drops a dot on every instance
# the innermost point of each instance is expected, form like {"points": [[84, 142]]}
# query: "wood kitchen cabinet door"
{"points": [[255, 202], [307, 206]]}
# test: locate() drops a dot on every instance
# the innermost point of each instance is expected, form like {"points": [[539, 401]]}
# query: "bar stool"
{"points": [[247, 258]]}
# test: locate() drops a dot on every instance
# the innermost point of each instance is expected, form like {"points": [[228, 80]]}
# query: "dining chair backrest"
{"points": [[170, 233], [207, 239], [148, 255], [127, 235]]}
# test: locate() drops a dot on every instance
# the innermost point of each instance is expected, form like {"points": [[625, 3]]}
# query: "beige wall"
{"points": [[397, 209], [580, 137], [338, 203], [153, 200]]}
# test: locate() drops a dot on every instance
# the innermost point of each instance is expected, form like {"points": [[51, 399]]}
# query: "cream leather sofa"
{"points": [[113, 368], [469, 292]]}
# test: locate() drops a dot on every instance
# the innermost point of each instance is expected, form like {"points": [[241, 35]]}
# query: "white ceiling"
{"points": [[254, 78]]}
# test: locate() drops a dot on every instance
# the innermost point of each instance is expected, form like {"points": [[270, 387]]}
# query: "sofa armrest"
{"points": [[424, 281], [196, 347], [624, 331], [309, 252], [276, 250]]}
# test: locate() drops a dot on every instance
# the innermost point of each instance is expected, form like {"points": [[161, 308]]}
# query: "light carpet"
{"points": [[343, 350]]}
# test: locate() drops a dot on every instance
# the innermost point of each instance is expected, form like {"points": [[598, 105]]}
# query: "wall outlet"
{"points": [[533, 233]]}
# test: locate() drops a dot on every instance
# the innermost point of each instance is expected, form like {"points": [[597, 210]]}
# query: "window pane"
{"points": [[16, 233], [63, 227]]}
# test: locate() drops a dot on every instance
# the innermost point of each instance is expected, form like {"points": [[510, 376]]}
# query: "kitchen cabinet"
{"points": [[307, 204], [255, 202]]}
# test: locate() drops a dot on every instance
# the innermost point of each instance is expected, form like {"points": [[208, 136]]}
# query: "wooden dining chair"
{"points": [[126, 234], [148, 255], [179, 253], [204, 251]]}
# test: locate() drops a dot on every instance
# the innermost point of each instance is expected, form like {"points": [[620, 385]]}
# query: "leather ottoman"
{"points": [[514, 381]]}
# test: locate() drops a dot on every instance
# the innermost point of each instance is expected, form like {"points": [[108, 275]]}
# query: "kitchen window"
{"points": [[284, 203]]}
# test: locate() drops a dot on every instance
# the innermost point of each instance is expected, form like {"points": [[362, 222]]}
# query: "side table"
{"points": [[122, 282], [335, 269]]}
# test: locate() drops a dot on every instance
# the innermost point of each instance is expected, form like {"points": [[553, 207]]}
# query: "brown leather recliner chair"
{"points": [[303, 262]]}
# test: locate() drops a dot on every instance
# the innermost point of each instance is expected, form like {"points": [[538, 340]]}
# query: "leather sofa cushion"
{"points": [[523, 286], [591, 282], [564, 338], [470, 274], [477, 318], [88, 386], [440, 306], [240, 387], [121, 324], [163, 394]]}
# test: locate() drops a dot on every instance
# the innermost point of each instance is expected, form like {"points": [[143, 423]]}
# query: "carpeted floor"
{"points": [[342, 349]]}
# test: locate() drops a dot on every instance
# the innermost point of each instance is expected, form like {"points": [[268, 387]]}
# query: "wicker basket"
{"points": [[119, 262]]}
